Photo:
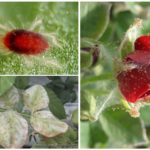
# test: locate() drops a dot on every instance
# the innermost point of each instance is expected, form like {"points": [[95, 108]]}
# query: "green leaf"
{"points": [[35, 98], [122, 130], [55, 105], [92, 105], [146, 29], [87, 42], [127, 44], [84, 134], [98, 138], [75, 117], [88, 106], [63, 89], [6, 83], [71, 82], [144, 115], [13, 130], [144, 4], [95, 22], [86, 59], [109, 31], [27, 13], [22, 82], [45, 123], [67, 95], [10, 98]]}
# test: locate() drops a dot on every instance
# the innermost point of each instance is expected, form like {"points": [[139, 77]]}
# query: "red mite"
{"points": [[25, 42]]}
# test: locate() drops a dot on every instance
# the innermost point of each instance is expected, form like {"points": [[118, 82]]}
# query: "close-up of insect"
{"points": [[37, 43], [25, 42], [28, 44]]}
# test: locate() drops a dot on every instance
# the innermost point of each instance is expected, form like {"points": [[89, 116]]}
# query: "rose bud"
{"points": [[95, 53], [134, 78], [142, 43]]}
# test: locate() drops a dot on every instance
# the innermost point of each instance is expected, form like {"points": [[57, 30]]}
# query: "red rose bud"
{"points": [[142, 43], [95, 53], [134, 80]]}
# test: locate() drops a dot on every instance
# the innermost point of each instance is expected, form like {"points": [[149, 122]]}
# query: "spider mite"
{"points": [[24, 41], [29, 44]]}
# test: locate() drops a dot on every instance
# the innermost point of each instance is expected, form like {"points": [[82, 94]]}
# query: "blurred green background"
{"points": [[59, 19], [104, 121]]}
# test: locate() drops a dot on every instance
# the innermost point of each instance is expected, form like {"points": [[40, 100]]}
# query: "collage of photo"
{"points": [[74, 74]]}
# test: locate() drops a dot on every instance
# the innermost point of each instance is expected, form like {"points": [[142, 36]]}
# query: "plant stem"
{"points": [[126, 104]]}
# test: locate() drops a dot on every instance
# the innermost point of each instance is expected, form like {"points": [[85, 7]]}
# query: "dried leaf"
{"points": [[47, 124], [13, 129]]}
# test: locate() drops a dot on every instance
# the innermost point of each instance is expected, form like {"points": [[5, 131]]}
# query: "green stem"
{"points": [[126, 104]]}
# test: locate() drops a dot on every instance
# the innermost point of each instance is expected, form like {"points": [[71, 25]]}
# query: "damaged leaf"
{"points": [[36, 98], [47, 124], [13, 129]]}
